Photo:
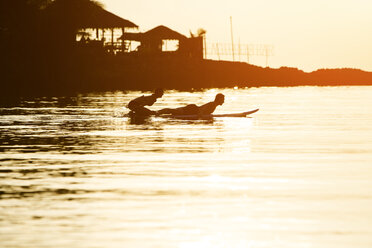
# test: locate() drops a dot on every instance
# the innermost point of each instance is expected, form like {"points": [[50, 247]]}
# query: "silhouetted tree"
{"points": [[18, 18], [66, 17]]}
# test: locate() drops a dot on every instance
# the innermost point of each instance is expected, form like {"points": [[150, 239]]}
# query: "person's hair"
{"points": [[159, 92]]}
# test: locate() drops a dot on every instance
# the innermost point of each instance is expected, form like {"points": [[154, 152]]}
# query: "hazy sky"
{"points": [[309, 34]]}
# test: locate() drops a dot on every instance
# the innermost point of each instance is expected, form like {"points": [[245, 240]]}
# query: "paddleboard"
{"points": [[241, 114]]}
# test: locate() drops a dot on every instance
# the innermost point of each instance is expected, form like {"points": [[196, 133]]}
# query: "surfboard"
{"points": [[241, 114], [197, 117]]}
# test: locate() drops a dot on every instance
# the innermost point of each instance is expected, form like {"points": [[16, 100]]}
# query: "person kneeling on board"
{"points": [[137, 105], [192, 109]]}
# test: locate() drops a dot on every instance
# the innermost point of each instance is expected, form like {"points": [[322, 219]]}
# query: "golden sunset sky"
{"points": [[305, 34]]}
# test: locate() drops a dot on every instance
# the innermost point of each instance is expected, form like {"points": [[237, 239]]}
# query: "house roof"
{"points": [[86, 14], [158, 33], [105, 19], [163, 33]]}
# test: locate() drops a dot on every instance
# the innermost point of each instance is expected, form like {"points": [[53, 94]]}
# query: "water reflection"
{"points": [[50, 138], [69, 161], [75, 125], [139, 120], [75, 165]]}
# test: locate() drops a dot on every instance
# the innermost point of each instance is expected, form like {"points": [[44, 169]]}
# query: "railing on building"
{"points": [[237, 52]]}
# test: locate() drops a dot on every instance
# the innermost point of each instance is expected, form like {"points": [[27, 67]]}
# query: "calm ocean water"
{"points": [[75, 173]]}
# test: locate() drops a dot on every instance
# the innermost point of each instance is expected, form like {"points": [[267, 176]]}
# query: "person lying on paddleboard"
{"points": [[192, 109], [210, 107], [137, 105]]}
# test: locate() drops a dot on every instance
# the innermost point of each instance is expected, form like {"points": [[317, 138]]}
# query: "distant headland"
{"points": [[75, 46]]}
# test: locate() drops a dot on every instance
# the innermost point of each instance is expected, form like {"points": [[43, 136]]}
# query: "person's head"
{"points": [[158, 92], [220, 99]]}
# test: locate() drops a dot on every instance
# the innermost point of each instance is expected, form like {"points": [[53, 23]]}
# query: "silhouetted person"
{"points": [[137, 105], [210, 107], [192, 109]]}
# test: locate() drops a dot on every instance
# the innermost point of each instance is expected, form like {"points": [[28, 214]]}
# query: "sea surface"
{"points": [[75, 172]]}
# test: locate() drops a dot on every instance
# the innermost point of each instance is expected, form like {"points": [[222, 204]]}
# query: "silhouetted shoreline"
{"points": [[45, 53], [107, 73]]}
